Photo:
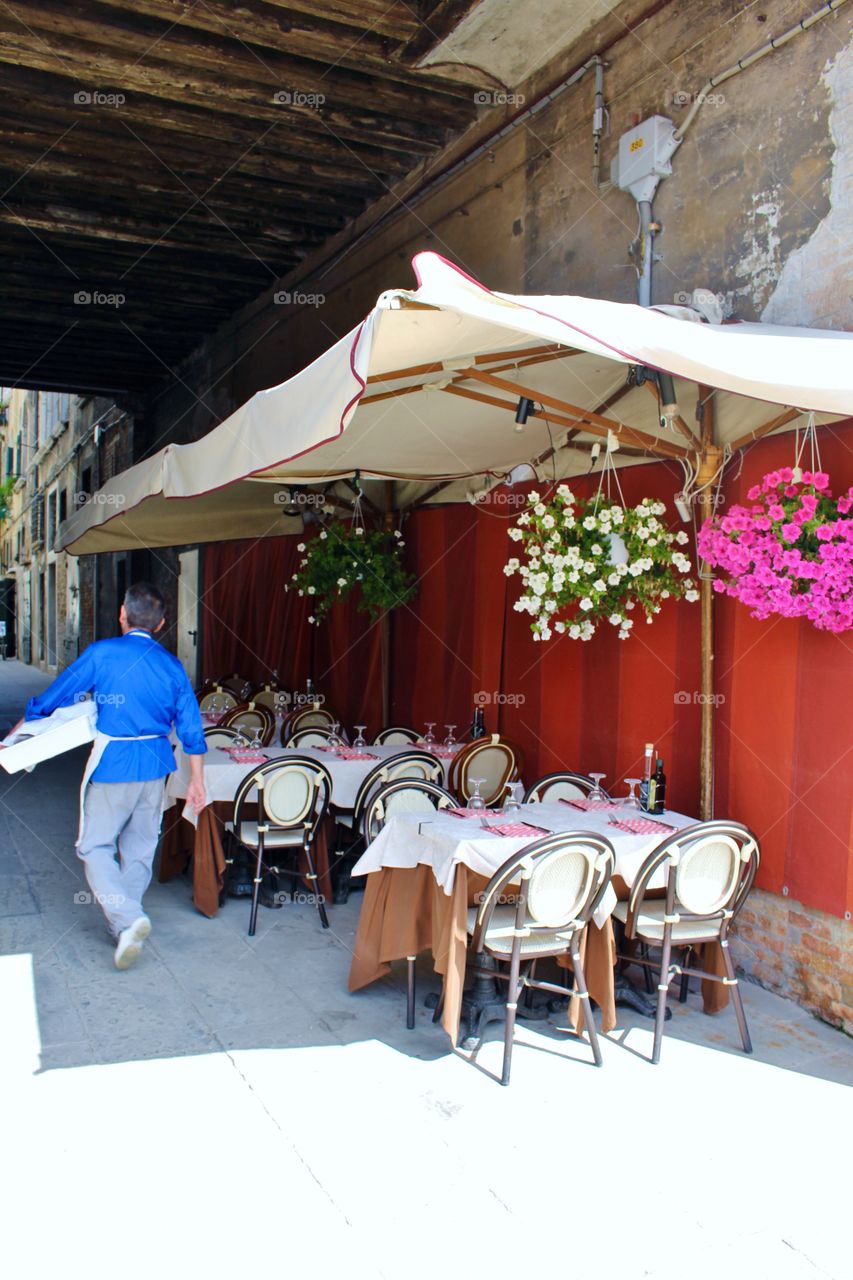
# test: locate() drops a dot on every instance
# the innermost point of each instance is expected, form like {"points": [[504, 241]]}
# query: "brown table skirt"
{"points": [[204, 844]]}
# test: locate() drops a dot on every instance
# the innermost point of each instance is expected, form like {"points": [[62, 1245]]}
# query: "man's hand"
{"points": [[196, 797]]}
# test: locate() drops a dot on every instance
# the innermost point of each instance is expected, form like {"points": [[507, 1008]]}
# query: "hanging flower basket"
{"points": [[588, 560], [343, 557], [790, 552]]}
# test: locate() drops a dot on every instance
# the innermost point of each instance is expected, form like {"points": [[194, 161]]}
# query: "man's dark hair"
{"points": [[144, 605]]}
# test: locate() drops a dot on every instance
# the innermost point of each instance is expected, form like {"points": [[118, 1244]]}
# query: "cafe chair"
{"points": [[238, 685], [309, 737], [268, 695], [406, 795], [493, 758], [536, 905], [306, 716], [395, 735], [292, 799], [349, 839], [216, 696], [560, 786], [216, 736], [250, 719], [709, 869]]}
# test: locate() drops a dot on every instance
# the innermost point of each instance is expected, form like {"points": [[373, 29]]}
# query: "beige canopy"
{"points": [[424, 394]]}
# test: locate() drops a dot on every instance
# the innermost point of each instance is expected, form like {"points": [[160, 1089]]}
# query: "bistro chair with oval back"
{"points": [[311, 736], [349, 841], [405, 795], [216, 736], [214, 699], [292, 798], [710, 869], [396, 735], [560, 786], [494, 760], [311, 716], [252, 720], [536, 905]]}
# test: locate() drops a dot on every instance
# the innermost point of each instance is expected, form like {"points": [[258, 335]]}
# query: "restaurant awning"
{"points": [[424, 394]]}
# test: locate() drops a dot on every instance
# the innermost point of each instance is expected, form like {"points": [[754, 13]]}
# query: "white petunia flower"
{"points": [[590, 522], [300, 546], [515, 534], [312, 591], [311, 618], [323, 535], [342, 582], [532, 496], [548, 522], [586, 603], [681, 537], [615, 619], [596, 549], [574, 631], [691, 596], [600, 584], [613, 579]]}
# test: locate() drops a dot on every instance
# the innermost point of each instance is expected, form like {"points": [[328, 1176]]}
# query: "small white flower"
{"points": [[574, 631], [397, 533], [629, 604], [596, 549], [300, 546], [311, 618], [569, 520], [524, 518], [652, 542], [323, 535], [590, 522], [359, 532], [681, 537], [532, 496], [600, 584], [613, 579], [574, 576], [615, 619], [586, 603], [664, 595], [342, 582], [548, 522], [539, 509], [301, 592], [560, 628], [312, 591], [515, 534], [691, 595]]}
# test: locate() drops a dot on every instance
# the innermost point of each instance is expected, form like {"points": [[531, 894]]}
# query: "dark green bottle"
{"points": [[657, 790]]}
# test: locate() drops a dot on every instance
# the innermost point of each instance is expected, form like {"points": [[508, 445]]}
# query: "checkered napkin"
{"points": [[516, 829], [443, 753], [466, 813], [588, 805], [349, 753], [209, 719], [248, 757], [640, 826]]}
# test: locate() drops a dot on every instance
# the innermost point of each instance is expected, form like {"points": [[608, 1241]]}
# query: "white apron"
{"points": [[99, 746]]}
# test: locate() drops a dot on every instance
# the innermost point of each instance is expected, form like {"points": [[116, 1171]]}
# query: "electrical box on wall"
{"points": [[644, 157]]}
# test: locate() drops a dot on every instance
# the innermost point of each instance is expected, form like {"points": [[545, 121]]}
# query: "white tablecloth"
{"points": [[222, 776], [442, 841]]}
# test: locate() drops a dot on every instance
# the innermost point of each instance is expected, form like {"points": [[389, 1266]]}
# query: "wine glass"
{"points": [[213, 707], [475, 800], [429, 736], [241, 742], [335, 727], [513, 800], [632, 800], [360, 740], [597, 793], [450, 740], [257, 741]]}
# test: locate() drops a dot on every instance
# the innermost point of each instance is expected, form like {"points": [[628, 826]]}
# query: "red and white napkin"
{"points": [[516, 829], [436, 749], [640, 826], [466, 813], [350, 753], [588, 806], [248, 757]]}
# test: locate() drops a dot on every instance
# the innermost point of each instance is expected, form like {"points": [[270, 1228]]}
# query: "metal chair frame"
{"points": [[317, 716], [258, 779], [217, 731], [668, 853], [518, 874], [383, 735], [314, 730]]}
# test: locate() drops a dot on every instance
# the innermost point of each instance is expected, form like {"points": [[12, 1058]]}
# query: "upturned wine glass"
{"points": [[632, 800], [597, 793], [429, 736], [359, 740], [450, 740], [475, 800]]}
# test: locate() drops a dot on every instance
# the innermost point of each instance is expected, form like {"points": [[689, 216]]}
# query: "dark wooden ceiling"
{"points": [[185, 154]]}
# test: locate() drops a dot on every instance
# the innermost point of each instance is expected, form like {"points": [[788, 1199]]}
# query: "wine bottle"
{"points": [[647, 774], [478, 725], [657, 790]]}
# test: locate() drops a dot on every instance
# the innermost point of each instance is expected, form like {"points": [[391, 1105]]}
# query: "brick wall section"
{"points": [[799, 952]]}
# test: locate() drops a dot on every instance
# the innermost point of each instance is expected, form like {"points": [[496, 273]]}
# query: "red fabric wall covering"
{"points": [[784, 759]]}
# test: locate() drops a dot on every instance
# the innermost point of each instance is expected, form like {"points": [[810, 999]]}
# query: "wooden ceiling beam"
{"points": [[693, 440], [780, 420]]}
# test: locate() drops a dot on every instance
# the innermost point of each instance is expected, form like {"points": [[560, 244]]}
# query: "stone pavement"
{"points": [[227, 1104]]}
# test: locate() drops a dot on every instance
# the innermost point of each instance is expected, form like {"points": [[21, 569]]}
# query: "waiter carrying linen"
{"points": [[140, 690]]}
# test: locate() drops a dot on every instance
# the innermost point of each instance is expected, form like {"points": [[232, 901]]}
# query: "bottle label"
{"points": [[653, 787]]}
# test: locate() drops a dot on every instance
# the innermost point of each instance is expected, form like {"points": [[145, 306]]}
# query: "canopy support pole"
{"points": [[385, 622], [710, 461]]}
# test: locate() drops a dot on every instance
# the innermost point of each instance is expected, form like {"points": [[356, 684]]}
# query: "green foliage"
{"points": [[6, 489], [345, 557]]}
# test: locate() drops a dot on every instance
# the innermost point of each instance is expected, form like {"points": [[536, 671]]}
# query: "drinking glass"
{"points": [[429, 736], [257, 741], [632, 800], [513, 800], [476, 801], [597, 793], [241, 741], [450, 740], [360, 739], [213, 706], [335, 727]]}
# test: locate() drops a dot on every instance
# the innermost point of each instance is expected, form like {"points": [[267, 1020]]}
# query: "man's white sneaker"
{"points": [[130, 941]]}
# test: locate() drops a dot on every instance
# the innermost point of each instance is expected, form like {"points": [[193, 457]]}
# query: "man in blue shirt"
{"points": [[141, 690]]}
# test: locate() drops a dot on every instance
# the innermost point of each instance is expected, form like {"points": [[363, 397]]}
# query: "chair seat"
{"points": [[649, 924], [291, 838], [499, 935]]}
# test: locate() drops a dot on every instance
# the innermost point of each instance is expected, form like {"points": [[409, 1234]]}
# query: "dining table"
{"points": [[425, 870], [201, 837]]}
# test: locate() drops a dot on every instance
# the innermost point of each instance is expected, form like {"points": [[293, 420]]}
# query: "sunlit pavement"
{"points": [[227, 1106]]}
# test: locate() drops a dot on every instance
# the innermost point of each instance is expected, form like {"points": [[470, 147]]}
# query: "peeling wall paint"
{"points": [[760, 265], [815, 286]]}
